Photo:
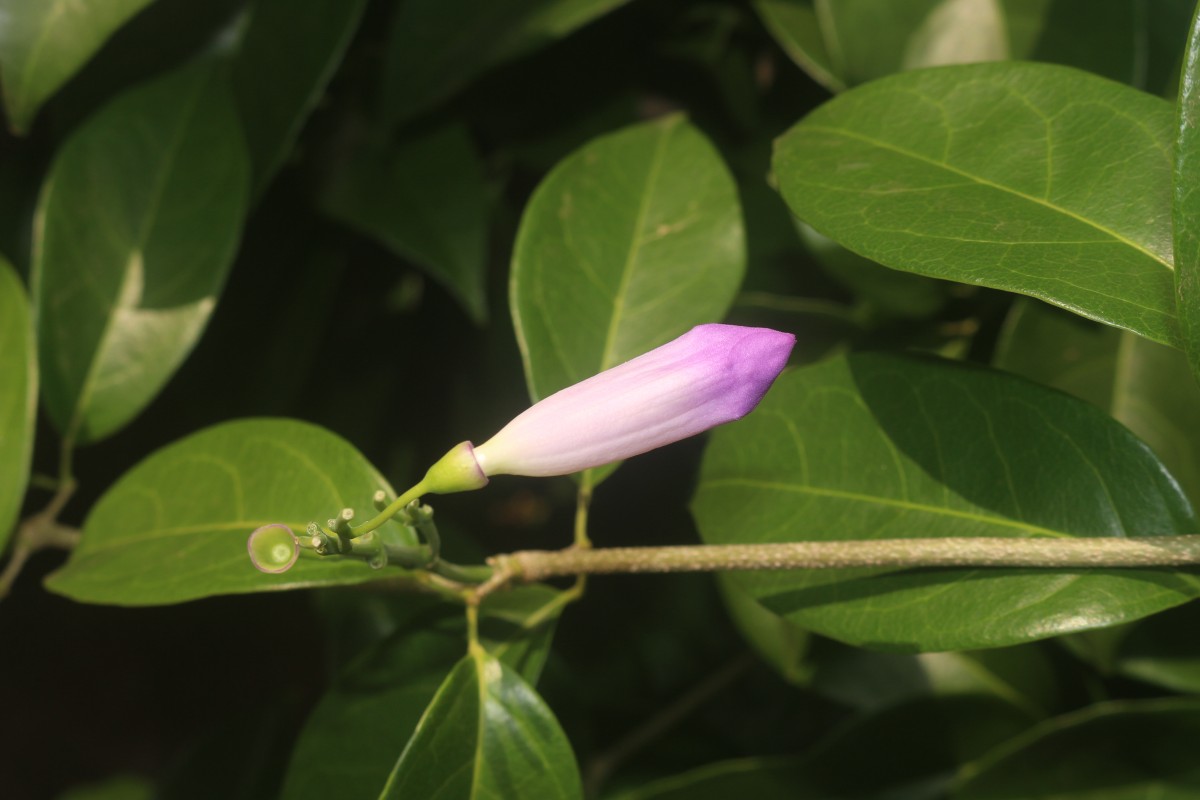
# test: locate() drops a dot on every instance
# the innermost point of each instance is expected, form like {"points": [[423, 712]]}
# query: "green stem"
{"points": [[462, 574], [389, 512], [583, 503], [1084, 552]]}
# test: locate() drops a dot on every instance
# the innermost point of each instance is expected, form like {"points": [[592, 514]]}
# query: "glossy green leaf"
{"points": [[628, 243], [1187, 201], [486, 734], [44, 42], [1032, 178], [18, 397], [437, 47], [844, 43], [875, 446], [285, 59], [138, 223], [1142, 384], [175, 526], [425, 200], [381, 696], [1115, 751], [895, 293]]}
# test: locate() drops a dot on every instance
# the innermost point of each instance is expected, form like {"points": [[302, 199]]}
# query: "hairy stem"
{"points": [[1149, 551]]}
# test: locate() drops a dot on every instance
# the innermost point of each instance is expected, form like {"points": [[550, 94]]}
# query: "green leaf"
{"points": [[380, 697], [1186, 212], [848, 42], [1140, 383], [174, 527], [794, 24], [868, 680], [137, 225], [18, 397], [425, 200], [777, 641], [486, 734], [1027, 177], [284, 61], [1114, 751], [437, 47], [629, 242], [875, 447], [120, 787], [44, 42], [896, 293], [376, 704]]}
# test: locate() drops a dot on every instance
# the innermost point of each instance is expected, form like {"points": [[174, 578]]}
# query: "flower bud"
{"points": [[711, 375]]}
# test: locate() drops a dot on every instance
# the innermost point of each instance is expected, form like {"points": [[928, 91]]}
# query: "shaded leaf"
{"points": [[777, 641], [874, 447], [1159, 650], [174, 527], [437, 47], [920, 746], [867, 680], [1027, 177], [425, 200], [380, 697], [18, 397], [1114, 751], [138, 223], [1186, 212], [1142, 384], [486, 734], [849, 42], [44, 42], [795, 25], [285, 59], [120, 787]]}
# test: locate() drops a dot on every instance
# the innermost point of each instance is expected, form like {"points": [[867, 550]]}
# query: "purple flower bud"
{"points": [[711, 375]]}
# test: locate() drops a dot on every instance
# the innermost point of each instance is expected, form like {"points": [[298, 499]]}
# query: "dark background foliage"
{"points": [[333, 314]]}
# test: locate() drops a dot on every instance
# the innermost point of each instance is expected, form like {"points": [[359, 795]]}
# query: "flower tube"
{"points": [[711, 375]]}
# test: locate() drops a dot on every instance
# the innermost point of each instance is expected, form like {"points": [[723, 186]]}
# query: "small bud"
{"points": [[273, 548], [341, 523]]}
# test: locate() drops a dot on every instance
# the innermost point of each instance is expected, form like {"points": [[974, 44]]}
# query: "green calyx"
{"points": [[457, 471]]}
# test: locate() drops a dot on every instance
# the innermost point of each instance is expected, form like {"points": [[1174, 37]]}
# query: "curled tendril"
{"points": [[273, 548]]}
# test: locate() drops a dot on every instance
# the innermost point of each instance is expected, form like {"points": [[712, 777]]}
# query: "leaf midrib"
{"points": [[907, 505], [991, 184], [635, 240]]}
